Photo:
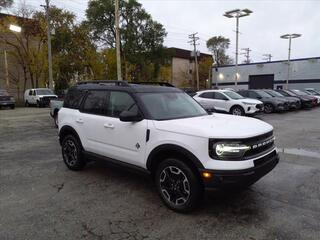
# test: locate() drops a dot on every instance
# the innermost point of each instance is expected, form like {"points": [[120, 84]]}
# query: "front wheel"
{"points": [[72, 153], [178, 186], [268, 108], [237, 110], [55, 119]]}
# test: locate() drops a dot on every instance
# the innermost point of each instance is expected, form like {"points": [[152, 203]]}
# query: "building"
{"points": [[304, 72], [183, 67]]}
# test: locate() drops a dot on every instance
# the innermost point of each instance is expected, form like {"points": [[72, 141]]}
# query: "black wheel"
{"points": [[268, 108], [178, 186], [237, 110], [26, 104], [38, 104], [12, 106], [72, 153], [55, 119]]}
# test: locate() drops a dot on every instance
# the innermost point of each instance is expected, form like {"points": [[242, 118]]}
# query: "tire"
{"points": [[237, 111], [55, 119], [268, 108], [27, 104], [178, 186], [38, 104], [12, 106], [72, 153]]}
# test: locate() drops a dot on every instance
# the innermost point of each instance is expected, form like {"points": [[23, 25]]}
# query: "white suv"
{"points": [[164, 132], [38, 96], [229, 102]]}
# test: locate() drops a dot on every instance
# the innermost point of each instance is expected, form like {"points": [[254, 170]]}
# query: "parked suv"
{"points": [[294, 102], [38, 96], [228, 101], [270, 104], [6, 100], [166, 133]]}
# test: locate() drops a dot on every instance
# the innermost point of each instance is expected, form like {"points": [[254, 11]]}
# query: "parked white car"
{"points": [[38, 96], [229, 102]]}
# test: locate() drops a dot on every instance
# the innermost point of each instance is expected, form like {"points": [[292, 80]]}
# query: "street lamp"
{"points": [[237, 13], [289, 36]]}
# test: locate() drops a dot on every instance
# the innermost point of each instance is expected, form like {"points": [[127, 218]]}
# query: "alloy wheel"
{"points": [[70, 152], [174, 185]]}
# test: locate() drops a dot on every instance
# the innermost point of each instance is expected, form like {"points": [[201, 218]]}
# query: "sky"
{"points": [[260, 31]]}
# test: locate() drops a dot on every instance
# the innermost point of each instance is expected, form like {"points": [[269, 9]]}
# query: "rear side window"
{"points": [[95, 102], [119, 102], [219, 96], [73, 98], [206, 95]]}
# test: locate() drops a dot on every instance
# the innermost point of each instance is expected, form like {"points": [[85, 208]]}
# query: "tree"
{"points": [[75, 55], [141, 37], [5, 3], [218, 46]]}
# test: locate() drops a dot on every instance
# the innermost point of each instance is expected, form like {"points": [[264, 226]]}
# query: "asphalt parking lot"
{"points": [[41, 199]]}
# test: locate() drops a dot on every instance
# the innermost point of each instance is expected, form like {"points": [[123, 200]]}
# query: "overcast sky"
{"points": [[260, 31]]}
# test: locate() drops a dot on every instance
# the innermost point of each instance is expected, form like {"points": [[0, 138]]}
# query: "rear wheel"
{"points": [[237, 110], [178, 186], [38, 104], [268, 108], [72, 153], [27, 104]]}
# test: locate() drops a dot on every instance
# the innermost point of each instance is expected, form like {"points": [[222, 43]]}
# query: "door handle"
{"points": [[79, 120], [109, 125]]}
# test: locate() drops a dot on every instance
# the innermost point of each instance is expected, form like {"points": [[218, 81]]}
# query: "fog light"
{"points": [[206, 175]]}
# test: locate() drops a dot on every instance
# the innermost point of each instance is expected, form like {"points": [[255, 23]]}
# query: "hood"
{"points": [[249, 100], [50, 96], [216, 126], [272, 100]]}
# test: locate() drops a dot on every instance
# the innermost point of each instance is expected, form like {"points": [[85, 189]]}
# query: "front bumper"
{"points": [[241, 178], [7, 103]]}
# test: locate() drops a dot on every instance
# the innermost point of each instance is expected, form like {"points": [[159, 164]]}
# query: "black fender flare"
{"points": [[169, 149], [65, 130]]}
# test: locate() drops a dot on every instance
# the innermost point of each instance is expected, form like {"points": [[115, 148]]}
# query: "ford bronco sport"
{"points": [[166, 133]]}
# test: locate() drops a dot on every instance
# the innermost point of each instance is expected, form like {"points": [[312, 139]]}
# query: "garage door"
{"points": [[261, 81]]}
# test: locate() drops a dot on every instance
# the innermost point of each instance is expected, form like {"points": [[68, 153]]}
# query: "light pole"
{"points": [[289, 36], [237, 13]]}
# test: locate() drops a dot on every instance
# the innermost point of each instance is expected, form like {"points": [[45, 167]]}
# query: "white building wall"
{"points": [[303, 73]]}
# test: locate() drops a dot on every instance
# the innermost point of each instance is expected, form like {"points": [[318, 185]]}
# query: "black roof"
{"points": [[124, 86]]}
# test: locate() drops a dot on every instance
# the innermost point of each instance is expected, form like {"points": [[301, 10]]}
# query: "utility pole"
{"points": [[237, 13], [267, 57], [193, 42], [46, 7], [246, 54], [117, 19]]}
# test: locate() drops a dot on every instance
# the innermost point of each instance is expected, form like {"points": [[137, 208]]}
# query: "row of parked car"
{"points": [[250, 102]]}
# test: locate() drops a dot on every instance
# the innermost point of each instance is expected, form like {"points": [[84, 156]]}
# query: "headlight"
{"points": [[247, 103], [11, 99], [229, 150]]}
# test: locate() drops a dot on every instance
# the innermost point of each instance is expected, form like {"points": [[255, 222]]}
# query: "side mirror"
{"points": [[127, 116]]}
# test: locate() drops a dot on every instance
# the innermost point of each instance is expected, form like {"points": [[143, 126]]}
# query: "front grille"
{"points": [[259, 145], [263, 160]]}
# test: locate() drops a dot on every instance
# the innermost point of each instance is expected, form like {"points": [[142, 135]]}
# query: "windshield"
{"points": [[44, 92], [173, 105], [274, 93], [233, 95], [300, 93], [263, 94], [4, 93]]}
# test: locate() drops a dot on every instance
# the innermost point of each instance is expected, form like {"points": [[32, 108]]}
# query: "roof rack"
{"points": [[163, 84], [106, 82]]}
